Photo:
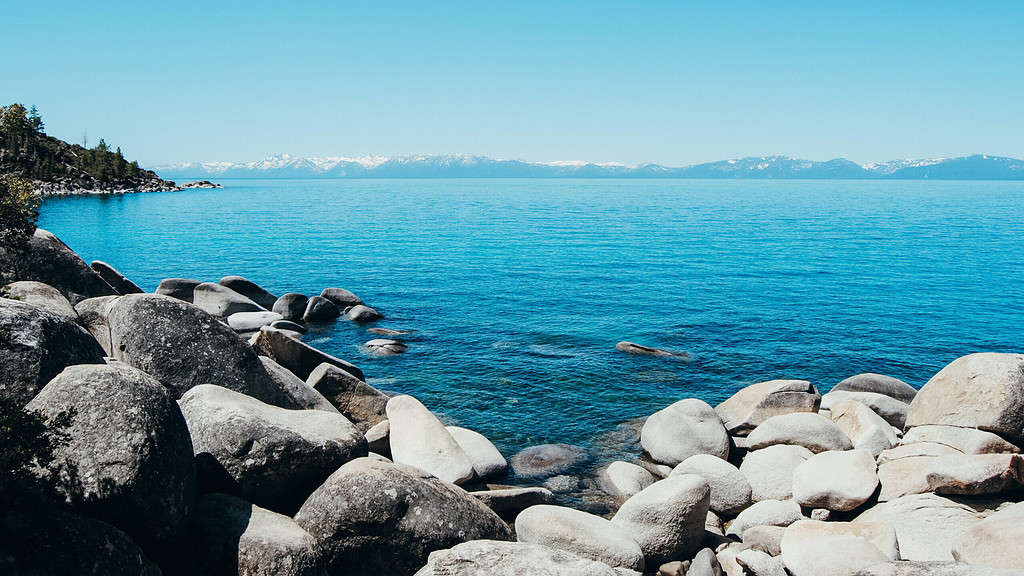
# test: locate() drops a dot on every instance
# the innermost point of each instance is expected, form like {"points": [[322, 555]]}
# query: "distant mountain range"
{"points": [[978, 167]]}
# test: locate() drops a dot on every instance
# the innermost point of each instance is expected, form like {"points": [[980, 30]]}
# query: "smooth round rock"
{"points": [[362, 314], [685, 428], [128, 448], [770, 470], [291, 306], [580, 533], [667, 518], [41, 296], [514, 500], [385, 347], [302, 395], [838, 481], [251, 321], [730, 490], [758, 563], [495, 558], [373, 517], [547, 460], [92, 314], [624, 479], [222, 301], [320, 310], [485, 457], [880, 384], [765, 513], [812, 431], [250, 290], [752, 405], [419, 439], [288, 325], [890, 409], [767, 539], [275, 457], [342, 298], [179, 288]]}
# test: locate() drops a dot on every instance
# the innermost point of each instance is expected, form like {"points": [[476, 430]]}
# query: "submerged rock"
{"points": [[547, 460], [388, 331], [749, 407], [641, 350], [383, 347]]}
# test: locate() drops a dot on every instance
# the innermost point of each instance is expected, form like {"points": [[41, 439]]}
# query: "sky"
{"points": [[674, 83]]}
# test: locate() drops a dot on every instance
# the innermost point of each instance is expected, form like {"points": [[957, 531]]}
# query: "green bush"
{"points": [[19, 210]]}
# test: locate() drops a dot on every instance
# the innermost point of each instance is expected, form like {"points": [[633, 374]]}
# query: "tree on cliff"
{"points": [[19, 210]]}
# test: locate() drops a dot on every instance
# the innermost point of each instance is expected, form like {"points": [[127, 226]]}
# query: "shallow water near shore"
{"points": [[518, 290]]}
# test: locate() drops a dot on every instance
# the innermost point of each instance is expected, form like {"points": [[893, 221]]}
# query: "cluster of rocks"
{"points": [[206, 438]]}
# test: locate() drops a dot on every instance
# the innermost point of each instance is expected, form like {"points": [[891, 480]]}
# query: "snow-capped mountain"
{"points": [[978, 167]]}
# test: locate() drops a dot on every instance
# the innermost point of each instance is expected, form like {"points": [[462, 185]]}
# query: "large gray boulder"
{"points": [[179, 288], [233, 537], [765, 513], [182, 346], [546, 460], [320, 310], [250, 290], [482, 453], [342, 298], [688, 427], [581, 533], [297, 356], [41, 296], [35, 345], [291, 306], [770, 470], [749, 407], [984, 391], [419, 439], [837, 481], [966, 440], [813, 548], [879, 384], [374, 517], [362, 314], [812, 431], [497, 558], [926, 525], [361, 403], [967, 474], [890, 409], [116, 280], [730, 490], [384, 347], [92, 314], [302, 395], [667, 518], [127, 458], [48, 260], [54, 542], [274, 457], [995, 541], [513, 500], [222, 301], [865, 428], [624, 479]]}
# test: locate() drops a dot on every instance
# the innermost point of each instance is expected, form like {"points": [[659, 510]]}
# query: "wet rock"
{"points": [[667, 518], [879, 384], [275, 457], [180, 288], [35, 345], [92, 313], [866, 429], [232, 536], [547, 460], [770, 470], [966, 440], [48, 260], [320, 310], [41, 296], [730, 490], [373, 517], [251, 321], [115, 279], [995, 541], [291, 306], [222, 301], [751, 406], [968, 474], [482, 453], [839, 481], [624, 478], [361, 403], [182, 346], [891, 410], [984, 391], [926, 525], [419, 439], [342, 298], [495, 558], [384, 347], [127, 458], [683, 429], [812, 548], [361, 313], [514, 500], [580, 533], [562, 484], [765, 513], [641, 350], [302, 395], [297, 356], [812, 431], [250, 290]]}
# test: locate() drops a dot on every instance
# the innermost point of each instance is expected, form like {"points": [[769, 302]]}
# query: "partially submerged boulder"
{"points": [[342, 298], [362, 314], [751, 406], [667, 518], [730, 490], [385, 347], [361, 403], [546, 460], [35, 345], [275, 457], [835, 480], [581, 533], [127, 458], [41, 296], [250, 290], [812, 431], [419, 439], [297, 356], [641, 350], [320, 310], [685, 428], [291, 306], [373, 517], [115, 279]]}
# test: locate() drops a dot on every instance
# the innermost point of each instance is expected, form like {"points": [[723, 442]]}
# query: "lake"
{"points": [[519, 289]]}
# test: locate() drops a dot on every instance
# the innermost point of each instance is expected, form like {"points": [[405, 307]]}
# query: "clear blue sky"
{"points": [[674, 83]]}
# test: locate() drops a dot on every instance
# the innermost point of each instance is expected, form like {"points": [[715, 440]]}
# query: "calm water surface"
{"points": [[519, 289]]}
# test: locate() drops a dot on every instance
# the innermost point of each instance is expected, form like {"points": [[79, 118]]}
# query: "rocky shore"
{"points": [[203, 436]]}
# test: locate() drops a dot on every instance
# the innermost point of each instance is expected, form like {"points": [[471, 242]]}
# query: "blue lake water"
{"points": [[520, 289]]}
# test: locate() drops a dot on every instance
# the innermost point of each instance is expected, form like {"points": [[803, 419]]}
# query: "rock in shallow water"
{"points": [[362, 314], [688, 427], [547, 460], [581, 533], [641, 350], [514, 500], [384, 347], [251, 321], [179, 288], [320, 310], [482, 453], [291, 306], [250, 290], [342, 298], [373, 517], [419, 439]]}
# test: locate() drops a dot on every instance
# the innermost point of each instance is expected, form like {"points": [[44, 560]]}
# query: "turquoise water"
{"points": [[519, 289]]}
